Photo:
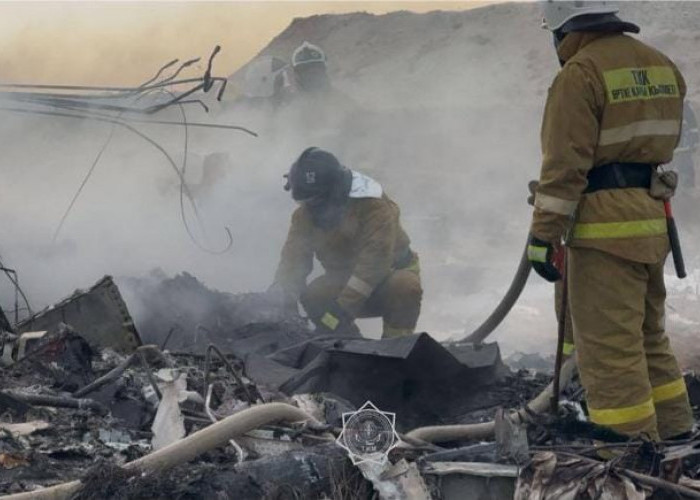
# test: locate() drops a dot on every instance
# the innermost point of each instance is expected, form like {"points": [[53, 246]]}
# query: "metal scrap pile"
{"points": [[242, 401]]}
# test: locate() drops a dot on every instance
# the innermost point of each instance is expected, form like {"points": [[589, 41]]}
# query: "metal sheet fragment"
{"points": [[395, 482], [24, 428], [480, 469], [99, 314]]}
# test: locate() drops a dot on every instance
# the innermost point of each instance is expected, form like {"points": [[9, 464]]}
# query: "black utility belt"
{"points": [[619, 176]]}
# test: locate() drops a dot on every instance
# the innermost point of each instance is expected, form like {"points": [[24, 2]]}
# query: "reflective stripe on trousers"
{"points": [[632, 379], [626, 415], [629, 414], [629, 229], [668, 391]]}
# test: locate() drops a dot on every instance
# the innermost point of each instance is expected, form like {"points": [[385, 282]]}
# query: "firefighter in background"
{"points": [[613, 114], [313, 86], [352, 227], [309, 65]]}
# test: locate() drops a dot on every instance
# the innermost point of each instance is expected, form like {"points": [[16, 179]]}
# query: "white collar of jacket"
{"points": [[364, 187]]}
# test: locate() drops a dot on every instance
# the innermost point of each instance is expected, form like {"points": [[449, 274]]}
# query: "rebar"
{"points": [[207, 371], [86, 100]]}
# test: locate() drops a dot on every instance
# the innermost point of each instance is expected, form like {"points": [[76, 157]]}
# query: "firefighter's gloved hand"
{"points": [[532, 187], [547, 261], [336, 320]]}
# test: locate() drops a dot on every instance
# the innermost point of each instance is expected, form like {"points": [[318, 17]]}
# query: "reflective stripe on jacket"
{"points": [[362, 249], [614, 100]]}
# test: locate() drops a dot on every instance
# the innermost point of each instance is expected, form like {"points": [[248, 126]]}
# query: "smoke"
{"points": [[443, 109]]}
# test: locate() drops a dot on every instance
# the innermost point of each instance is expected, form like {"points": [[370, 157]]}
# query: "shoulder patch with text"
{"points": [[640, 84]]}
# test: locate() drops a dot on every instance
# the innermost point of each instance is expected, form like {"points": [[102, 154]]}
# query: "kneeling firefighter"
{"points": [[352, 227], [613, 117]]}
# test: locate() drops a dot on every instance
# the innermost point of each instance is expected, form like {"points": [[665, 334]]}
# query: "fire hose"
{"points": [[506, 303], [192, 446], [220, 433], [484, 430]]}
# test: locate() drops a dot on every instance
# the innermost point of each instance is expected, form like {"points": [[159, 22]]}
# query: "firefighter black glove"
{"points": [[336, 320], [546, 260]]}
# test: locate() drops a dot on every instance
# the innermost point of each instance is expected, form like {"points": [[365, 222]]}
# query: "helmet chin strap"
{"points": [[558, 38], [329, 211]]}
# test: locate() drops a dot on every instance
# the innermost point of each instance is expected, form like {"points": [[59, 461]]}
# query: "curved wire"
{"points": [[160, 72], [15, 283], [172, 77], [90, 115], [82, 184], [145, 137], [97, 159], [183, 187], [97, 88]]}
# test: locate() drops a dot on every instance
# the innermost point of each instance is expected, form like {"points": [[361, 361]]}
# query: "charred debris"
{"points": [[214, 395]]}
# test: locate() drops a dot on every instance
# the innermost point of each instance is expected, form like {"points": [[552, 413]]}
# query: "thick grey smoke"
{"points": [[445, 111]]}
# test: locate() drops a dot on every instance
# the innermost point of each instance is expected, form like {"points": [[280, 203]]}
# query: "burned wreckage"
{"points": [[214, 395], [237, 398]]}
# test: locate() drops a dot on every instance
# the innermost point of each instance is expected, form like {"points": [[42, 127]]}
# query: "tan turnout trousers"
{"points": [[396, 300], [631, 376]]}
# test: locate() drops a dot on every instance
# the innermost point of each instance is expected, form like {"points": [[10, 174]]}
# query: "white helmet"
{"points": [[307, 53], [557, 13]]}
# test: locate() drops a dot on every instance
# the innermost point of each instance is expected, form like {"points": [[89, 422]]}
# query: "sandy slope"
{"points": [[493, 54]]}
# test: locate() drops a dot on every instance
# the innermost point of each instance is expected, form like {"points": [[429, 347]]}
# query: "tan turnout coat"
{"points": [[630, 115], [362, 250]]}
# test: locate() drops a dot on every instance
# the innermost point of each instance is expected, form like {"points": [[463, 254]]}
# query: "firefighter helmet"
{"points": [[308, 53], [314, 175], [557, 13]]}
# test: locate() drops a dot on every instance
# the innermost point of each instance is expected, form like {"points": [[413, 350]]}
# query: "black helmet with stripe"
{"points": [[315, 175]]}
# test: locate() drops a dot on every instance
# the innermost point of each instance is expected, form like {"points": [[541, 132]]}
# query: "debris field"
{"points": [[95, 405]]}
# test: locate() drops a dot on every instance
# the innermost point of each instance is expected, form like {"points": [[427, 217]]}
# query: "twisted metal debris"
{"points": [[120, 106]]}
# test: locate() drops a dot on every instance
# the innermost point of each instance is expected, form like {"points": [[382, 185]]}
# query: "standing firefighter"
{"points": [[347, 222], [613, 115]]}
